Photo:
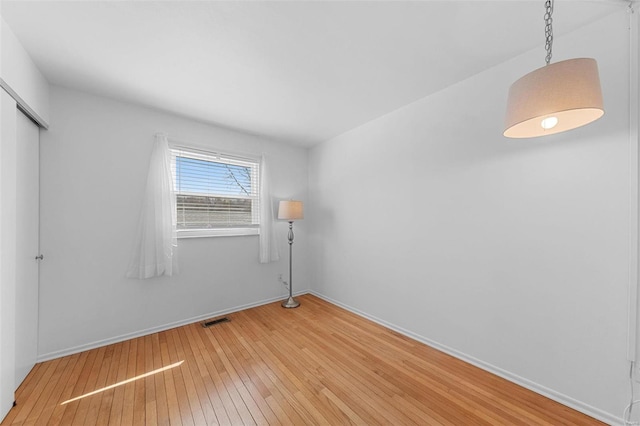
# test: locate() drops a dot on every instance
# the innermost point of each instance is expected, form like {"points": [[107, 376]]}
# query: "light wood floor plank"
{"points": [[129, 389], [90, 385], [70, 373], [151, 405], [140, 388], [316, 364], [169, 384], [66, 392], [262, 413], [47, 392], [194, 359], [229, 377], [203, 362], [216, 386], [96, 399], [28, 381], [186, 417], [115, 415], [162, 408], [201, 408], [106, 400], [40, 389]]}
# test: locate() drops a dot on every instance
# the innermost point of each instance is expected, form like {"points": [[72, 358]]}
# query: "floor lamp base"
{"points": [[290, 303]]}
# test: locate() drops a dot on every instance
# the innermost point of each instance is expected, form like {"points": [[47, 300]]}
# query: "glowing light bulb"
{"points": [[549, 123]]}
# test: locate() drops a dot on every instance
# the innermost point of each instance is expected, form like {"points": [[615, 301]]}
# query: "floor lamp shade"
{"points": [[555, 98], [290, 210]]}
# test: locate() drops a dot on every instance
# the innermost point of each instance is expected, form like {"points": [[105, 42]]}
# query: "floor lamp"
{"points": [[290, 210]]}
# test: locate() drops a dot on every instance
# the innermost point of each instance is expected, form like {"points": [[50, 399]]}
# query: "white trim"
{"points": [[152, 330], [632, 307], [535, 387], [218, 232], [24, 106]]}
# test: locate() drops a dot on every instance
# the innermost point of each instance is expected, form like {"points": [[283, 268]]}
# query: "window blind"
{"points": [[215, 190]]}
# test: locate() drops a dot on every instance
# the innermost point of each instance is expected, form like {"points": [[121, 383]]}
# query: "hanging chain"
{"points": [[548, 29]]}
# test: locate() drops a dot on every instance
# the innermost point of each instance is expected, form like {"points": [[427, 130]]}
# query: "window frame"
{"points": [[225, 157]]}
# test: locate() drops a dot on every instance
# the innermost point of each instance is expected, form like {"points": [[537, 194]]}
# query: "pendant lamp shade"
{"points": [[555, 98]]}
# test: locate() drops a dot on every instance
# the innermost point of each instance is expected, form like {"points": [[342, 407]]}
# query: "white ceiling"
{"points": [[296, 71]]}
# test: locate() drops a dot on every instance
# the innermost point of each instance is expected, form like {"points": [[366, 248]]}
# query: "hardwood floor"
{"points": [[317, 364]]}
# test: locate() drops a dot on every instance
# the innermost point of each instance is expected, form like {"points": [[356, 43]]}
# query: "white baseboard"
{"points": [[140, 333], [535, 387]]}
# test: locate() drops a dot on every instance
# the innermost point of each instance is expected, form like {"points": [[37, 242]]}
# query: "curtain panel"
{"points": [[155, 252], [268, 242]]}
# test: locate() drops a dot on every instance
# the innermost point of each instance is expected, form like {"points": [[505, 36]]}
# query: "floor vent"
{"points": [[215, 321]]}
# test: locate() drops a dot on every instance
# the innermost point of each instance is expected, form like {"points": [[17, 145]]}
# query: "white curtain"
{"points": [[268, 244], [156, 244]]}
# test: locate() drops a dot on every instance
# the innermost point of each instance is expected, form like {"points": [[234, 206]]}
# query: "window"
{"points": [[216, 194]]}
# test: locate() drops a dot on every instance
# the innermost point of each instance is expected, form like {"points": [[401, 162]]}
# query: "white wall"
{"points": [[510, 253], [21, 78], [94, 160]]}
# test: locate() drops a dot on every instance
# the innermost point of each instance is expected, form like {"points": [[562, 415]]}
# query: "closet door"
{"points": [[27, 244], [8, 113]]}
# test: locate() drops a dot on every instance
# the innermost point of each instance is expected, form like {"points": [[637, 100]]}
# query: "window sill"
{"points": [[225, 232]]}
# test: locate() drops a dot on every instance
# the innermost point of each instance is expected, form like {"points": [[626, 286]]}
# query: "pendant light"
{"points": [[555, 98]]}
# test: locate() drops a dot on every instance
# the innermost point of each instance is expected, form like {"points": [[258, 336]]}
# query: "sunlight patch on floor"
{"points": [[124, 382]]}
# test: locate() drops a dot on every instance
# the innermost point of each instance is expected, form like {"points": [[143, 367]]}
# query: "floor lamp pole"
{"points": [[290, 302]]}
